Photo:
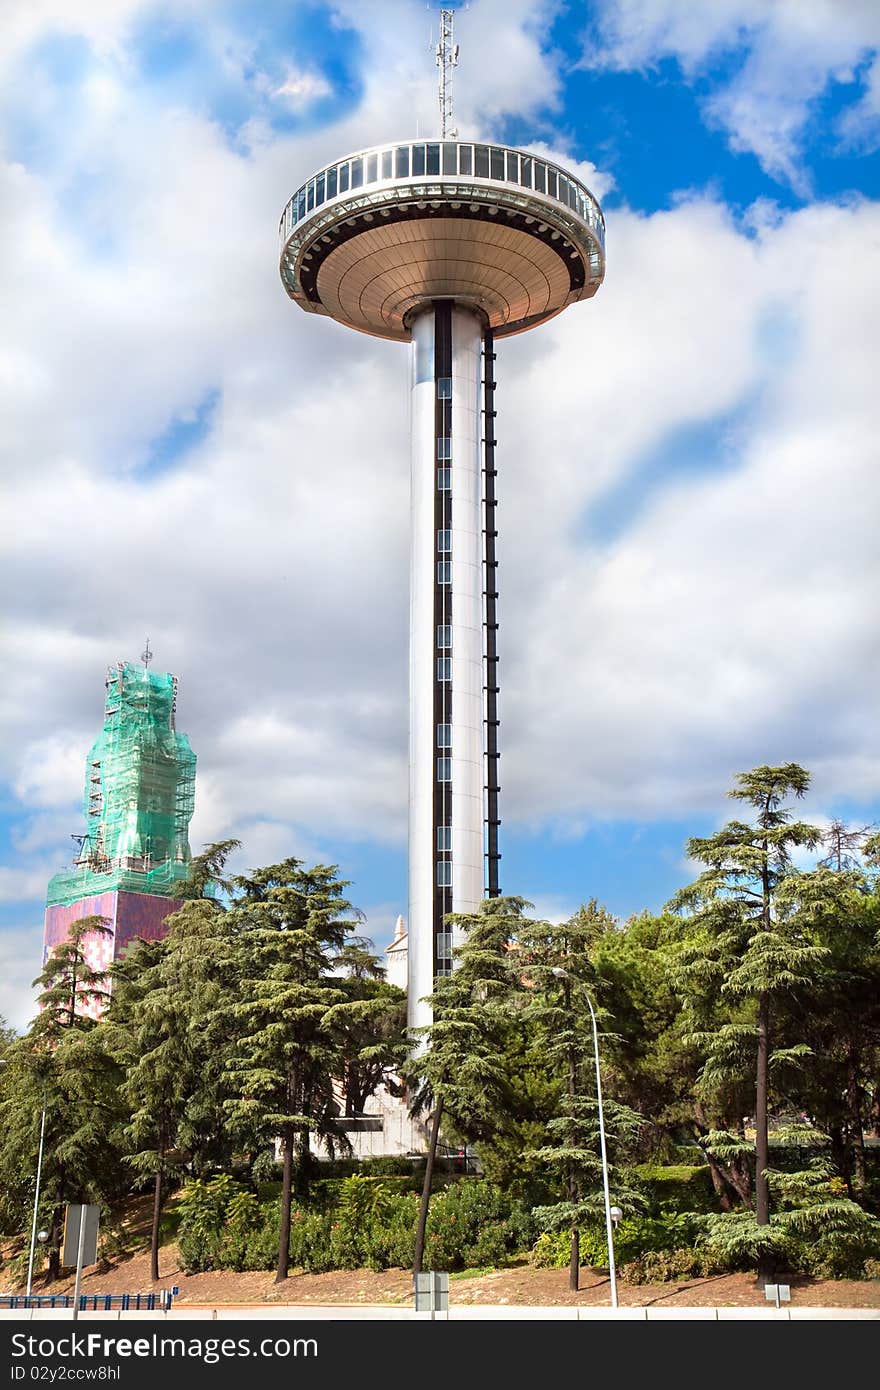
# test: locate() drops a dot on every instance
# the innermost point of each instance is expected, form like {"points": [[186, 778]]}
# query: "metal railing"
{"points": [[401, 163], [92, 1302]]}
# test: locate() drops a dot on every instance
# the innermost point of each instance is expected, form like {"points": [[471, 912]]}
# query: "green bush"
{"points": [[203, 1207], [834, 1254], [391, 1166], [243, 1219], [363, 1206], [393, 1246], [552, 1250], [676, 1187], [667, 1231], [310, 1241], [474, 1223], [635, 1236], [659, 1266], [261, 1248], [355, 1222]]}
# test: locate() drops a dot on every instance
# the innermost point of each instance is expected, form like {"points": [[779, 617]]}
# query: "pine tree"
{"points": [[291, 923], [458, 1070], [371, 1027], [205, 875], [750, 950], [69, 984], [839, 1017], [146, 1031], [62, 1066], [558, 971]]}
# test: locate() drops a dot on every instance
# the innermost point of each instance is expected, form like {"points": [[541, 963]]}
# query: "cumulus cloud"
{"points": [[20, 957], [720, 628], [300, 88], [722, 620], [786, 54]]}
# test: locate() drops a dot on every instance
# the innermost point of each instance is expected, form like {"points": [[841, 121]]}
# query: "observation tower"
{"points": [[446, 245]]}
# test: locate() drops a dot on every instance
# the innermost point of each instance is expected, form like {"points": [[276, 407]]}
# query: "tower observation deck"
{"points": [[446, 245]]}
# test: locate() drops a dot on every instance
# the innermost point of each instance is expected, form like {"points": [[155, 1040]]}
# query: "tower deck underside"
{"points": [[499, 242]]}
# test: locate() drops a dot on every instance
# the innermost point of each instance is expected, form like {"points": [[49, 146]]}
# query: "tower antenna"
{"points": [[447, 59], [146, 655]]}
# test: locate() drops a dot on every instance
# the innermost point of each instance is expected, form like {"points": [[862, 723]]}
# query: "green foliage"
{"points": [[475, 1223], [68, 984], [203, 1210], [664, 1232], [734, 1240], [634, 1237], [205, 875], [659, 1266], [552, 1250], [675, 1187]]}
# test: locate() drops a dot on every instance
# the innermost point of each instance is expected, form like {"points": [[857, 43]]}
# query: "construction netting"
{"points": [[139, 793]]}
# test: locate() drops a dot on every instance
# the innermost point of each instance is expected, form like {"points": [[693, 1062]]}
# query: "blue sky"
{"points": [[688, 462]]}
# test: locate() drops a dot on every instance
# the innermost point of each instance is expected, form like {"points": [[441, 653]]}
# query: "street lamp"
{"points": [[30, 1274], [562, 974]]}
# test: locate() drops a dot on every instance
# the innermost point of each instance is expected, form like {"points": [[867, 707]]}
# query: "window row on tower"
{"points": [[495, 163]]}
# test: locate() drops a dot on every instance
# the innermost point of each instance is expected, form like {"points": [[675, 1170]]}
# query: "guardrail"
{"points": [[94, 1302]]}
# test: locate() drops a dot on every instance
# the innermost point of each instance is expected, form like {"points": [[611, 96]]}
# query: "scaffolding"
{"points": [[139, 794]]}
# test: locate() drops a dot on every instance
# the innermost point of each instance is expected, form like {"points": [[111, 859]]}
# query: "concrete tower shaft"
{"points": [[446, 245], [447, 773]]}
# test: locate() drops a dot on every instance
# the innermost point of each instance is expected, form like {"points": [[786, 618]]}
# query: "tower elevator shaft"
{"points": [[453, 792]]}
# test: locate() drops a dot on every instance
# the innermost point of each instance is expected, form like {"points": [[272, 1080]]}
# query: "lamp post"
{"points": [[30, 1273], [562, 974], [42, 1235]]}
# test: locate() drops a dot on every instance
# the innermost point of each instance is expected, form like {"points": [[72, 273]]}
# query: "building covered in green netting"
{"points": [[138, 801]]}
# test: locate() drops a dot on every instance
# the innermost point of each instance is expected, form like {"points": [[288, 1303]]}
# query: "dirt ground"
{"points": [[519, 1284]]}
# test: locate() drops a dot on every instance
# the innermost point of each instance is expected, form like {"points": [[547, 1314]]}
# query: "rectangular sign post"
{"points": [[80, 1244], [431, 1292]]}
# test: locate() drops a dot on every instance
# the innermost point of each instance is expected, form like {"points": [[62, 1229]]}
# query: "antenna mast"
{"points": [[447, 59]]}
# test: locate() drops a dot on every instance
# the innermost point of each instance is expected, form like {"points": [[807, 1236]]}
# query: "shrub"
{"points": [[243, 1219], [659, 1266], [202, 1208], [394, 1244], [552, 1250], [667, 1231], [261, 1247], [266, 1168], [310, 1240], [392, 1166], [474, 1223], [679, 1187], [836, 1254], [362, 1207]]}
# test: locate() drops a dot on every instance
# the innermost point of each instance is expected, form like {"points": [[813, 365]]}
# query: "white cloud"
{"points": [[725, 621], [791, 50], [300, 88], [859, 125], [20, 960], [50, 771]]}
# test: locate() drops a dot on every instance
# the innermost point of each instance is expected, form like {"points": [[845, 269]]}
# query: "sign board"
{"points": [[74, 1217], [431, 1291], [777, 1293]]}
